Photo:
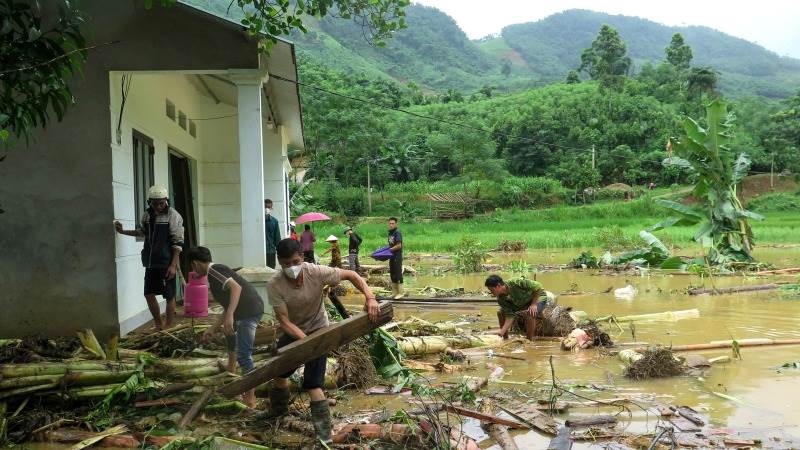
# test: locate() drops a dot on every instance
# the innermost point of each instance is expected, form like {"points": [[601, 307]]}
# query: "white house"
{"points": [[183, 99]]}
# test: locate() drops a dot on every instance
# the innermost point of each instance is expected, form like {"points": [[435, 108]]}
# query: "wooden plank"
{"points": [[316, 344], [562, 441], [484, 417], [682, 424], [498, 432], [534, 418], [590, 421]]}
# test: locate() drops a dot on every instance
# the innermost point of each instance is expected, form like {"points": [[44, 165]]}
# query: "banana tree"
{"points": [[724, 229]]}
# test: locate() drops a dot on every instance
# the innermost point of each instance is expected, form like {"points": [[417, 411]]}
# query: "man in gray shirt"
{"points": [[296, 295]]}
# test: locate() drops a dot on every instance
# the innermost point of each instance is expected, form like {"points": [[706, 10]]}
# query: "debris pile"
{"points": [[655, 362]]}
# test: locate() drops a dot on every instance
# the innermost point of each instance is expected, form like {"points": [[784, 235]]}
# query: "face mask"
{"points": [[267, 211], [292, 271]]}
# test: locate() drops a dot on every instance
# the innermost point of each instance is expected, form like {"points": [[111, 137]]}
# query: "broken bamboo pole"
{"points": [[728, 344], [787, 271], [498, 432], [730, 290]]}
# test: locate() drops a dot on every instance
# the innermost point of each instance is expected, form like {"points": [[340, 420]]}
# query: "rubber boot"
{"points": [[397, 290], [394, 290], [321, 418], [278, 402]]}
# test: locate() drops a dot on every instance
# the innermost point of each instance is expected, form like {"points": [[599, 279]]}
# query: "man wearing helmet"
{"points": [[162, 229]]}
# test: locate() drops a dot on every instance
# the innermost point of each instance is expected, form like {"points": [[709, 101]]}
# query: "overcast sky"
{"points": [[773, 24]]}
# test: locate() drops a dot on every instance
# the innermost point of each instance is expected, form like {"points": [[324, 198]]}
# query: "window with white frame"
{"points": [[143, 171]]}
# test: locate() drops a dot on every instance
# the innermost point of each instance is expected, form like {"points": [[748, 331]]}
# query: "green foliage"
{"points": [[585, 259], [469, 256], [704, 152], [572, 77], [36, 60], [386, 356], [779, 201], [613, 238], [679, 54], [519, 266], [123, 393], [606, 60]]}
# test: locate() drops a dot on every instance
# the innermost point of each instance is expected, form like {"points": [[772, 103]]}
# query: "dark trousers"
{"points": [[309, 257], [396, 268], [271, 260]]}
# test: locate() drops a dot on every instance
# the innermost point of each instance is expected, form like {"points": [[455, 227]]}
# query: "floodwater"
{"points": [[763, 402]]}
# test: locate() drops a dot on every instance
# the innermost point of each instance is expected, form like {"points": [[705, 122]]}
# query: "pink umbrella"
{"points": [[311, 217]]}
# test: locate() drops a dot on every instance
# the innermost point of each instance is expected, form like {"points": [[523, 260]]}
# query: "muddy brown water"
{"points": [[766, 400]]}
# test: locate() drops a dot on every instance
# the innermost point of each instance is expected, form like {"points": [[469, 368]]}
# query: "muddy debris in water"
{"points": [[656, 362], [599, 337], [38, 348], [354, 365]]}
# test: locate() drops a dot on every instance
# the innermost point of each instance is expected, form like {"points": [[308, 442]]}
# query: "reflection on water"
{"points": [[768, 397]]}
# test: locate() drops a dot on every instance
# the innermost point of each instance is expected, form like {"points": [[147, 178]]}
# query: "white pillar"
{"points": [[274, 174], [251, 166]]}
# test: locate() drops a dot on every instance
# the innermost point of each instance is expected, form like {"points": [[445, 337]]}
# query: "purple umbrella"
{"points": [[311, 217]]}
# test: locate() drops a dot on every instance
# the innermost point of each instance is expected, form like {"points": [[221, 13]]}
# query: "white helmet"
{"points": [[156, 192]]}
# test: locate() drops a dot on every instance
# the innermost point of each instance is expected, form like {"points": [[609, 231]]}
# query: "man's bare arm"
{"points": [[370, 303], [282, 314]]}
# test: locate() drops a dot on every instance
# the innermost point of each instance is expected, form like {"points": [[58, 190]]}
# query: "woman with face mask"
{"points": [[296, 295]]}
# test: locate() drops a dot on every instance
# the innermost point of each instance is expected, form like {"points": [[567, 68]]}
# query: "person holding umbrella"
{"points": [[307, 239]]}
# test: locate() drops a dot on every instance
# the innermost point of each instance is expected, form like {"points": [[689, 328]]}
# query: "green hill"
{"points": [[436, 54], [552, 46]]}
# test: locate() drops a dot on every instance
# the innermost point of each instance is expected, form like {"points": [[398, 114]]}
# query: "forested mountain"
{"points": [[436, 54], [552, 46]]}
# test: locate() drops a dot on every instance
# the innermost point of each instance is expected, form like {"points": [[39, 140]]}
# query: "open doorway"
{"points": [[180, 176]]}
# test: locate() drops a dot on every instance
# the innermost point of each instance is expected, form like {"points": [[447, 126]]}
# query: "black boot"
{"points": [[278, 402], [321, 418]]}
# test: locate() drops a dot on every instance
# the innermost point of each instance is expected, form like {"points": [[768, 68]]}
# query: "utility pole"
{"points": [[369, 191], [772, 173], [593, 156]]}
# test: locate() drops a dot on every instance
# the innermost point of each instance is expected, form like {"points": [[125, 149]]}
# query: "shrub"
{"points": [[779, 201], [613, 238], [469, 255]]}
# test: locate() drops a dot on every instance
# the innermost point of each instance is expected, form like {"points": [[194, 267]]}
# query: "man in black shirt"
{"points": [[396, 261], [243, 309], [352, 249], [161, 228]]}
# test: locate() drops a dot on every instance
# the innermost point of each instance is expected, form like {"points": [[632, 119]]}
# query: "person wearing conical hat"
{"points": [[336, 254]]}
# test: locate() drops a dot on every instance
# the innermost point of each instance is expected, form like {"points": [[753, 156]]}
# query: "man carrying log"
{"points": [[296, 295], [518, 299]]}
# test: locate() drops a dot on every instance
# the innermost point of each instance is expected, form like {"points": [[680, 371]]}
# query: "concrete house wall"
{"points": [[63, 267]]}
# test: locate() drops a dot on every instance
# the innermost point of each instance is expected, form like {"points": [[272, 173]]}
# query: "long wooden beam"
{"points": [[316, 344]]}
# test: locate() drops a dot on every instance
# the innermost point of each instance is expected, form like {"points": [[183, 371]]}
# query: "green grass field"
{"points": [[597, 225]]}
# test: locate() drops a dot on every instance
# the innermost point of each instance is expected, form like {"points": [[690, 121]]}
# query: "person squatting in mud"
{"points": [[519, 299]]}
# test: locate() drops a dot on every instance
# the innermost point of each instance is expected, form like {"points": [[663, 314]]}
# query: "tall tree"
{"points": [[572, 77], [678, 53], [606, 60], [702, 79]]}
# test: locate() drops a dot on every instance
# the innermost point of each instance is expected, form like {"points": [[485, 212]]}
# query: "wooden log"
{"points": [[461, 411], [728, 344], [316, 344], [423, 299], [730, 290], [590, 421], [787, 271], [197, 406], [498, 432]]}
